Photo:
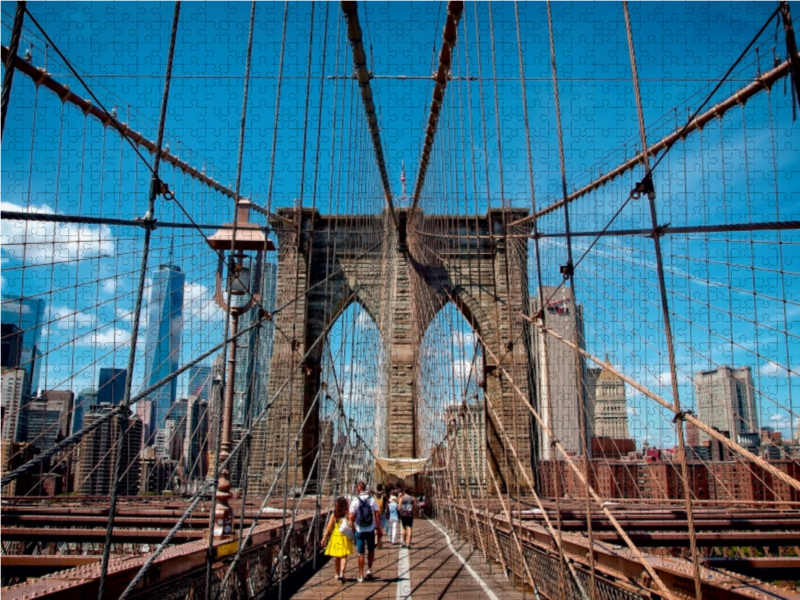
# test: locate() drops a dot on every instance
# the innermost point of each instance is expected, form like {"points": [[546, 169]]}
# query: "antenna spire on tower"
{"points": [[403, 178]]}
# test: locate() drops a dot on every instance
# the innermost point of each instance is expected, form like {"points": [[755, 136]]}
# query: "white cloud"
{"points": [[359, 395], [64, 320], [199, 304], [780, 421], [465, 339], [106, 338], [665, 378], [48, 242], [364, 321], [462, 369], [773, 369]]}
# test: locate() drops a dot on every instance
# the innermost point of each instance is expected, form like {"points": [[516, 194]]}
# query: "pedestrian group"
{"points": [[361, 523]]}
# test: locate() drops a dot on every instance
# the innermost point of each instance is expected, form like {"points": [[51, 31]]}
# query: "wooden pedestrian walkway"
{"points": [[430, 569]]}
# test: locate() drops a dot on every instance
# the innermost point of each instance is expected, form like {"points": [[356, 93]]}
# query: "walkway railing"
{"points": [[619, 575], [180, 572]]}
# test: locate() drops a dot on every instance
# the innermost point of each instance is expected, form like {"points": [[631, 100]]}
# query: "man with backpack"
{"points": [[407, 503], [364, 517]]}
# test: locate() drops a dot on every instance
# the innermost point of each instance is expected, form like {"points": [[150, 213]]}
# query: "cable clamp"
{"points": [[645, 186], [567, 270], [162, 189], [148, 220], [42, 76], [681, 415], [659, 231]]}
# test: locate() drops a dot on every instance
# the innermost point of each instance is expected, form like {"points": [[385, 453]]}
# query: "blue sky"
{"points": [[77, 167]]}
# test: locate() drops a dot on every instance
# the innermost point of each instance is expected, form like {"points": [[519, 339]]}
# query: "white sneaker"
{"points": [[360, 580]]}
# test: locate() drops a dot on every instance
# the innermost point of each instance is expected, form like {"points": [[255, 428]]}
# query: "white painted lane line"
{"points": [[486, 589], [403, 575]]}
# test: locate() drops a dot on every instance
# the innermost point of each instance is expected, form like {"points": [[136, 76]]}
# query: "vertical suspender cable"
{"points": [[505, 205], [299, 217], [156, 187], [224, 439], [568, 273], [545, 372], [676, 403], [277, 109]]}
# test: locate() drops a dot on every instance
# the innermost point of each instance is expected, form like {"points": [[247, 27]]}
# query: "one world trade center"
{"points": [[163, 349]]}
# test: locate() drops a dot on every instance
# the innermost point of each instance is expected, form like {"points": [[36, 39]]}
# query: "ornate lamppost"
{"points": [[243, 257]]}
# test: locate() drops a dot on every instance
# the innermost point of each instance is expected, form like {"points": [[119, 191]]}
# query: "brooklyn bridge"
{"points": [[531, 267]]}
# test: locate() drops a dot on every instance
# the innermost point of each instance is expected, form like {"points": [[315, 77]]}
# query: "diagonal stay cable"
{"points": [[156, 187], [114, 122], [224, 464], [362, 74], [79, 435]]}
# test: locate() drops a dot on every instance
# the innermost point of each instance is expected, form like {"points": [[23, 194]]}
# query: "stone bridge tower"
{"points": [[402, 276]]}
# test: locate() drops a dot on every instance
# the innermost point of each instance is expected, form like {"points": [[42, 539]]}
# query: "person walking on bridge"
{"points": [[337, 540], [394, 519], [407, 505], [364, 518]]}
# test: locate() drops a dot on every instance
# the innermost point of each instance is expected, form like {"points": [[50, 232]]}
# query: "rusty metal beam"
{"points": [[617, 563], [37, 566], [174, 564], [751, 525], [677, 539], [199, 521], [96, 536], [42, 77], [762, 82], [769, 569], [354, 34], [441, 77]]}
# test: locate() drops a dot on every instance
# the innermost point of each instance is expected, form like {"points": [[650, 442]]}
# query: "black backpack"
{"points": [[364, 514]]}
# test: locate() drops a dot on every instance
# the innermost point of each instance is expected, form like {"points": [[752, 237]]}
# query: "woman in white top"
{"points": [[394, 519]]}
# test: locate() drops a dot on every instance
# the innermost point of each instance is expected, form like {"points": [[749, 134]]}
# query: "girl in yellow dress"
{"points": [[336, 543]]}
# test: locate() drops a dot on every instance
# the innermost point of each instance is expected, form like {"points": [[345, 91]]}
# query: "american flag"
{"points": [[560, 307]]}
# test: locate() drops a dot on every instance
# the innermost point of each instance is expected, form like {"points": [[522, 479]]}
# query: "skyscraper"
{"points": [[14, 408], [84, 402], [564, 396], [27, 315], [12, 346], [65, 399], [99, 450], [111, 386], [163, 344], [607, 399], [200, 382], [726, 400], [45, 418], [254, 354], [195, 439], [466, 422]]}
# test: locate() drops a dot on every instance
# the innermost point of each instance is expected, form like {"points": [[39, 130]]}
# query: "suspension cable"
{"points": [[155, 189]]}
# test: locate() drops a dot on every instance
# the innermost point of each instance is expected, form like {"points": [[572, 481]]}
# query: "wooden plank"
{"points": [[435, 572]]}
